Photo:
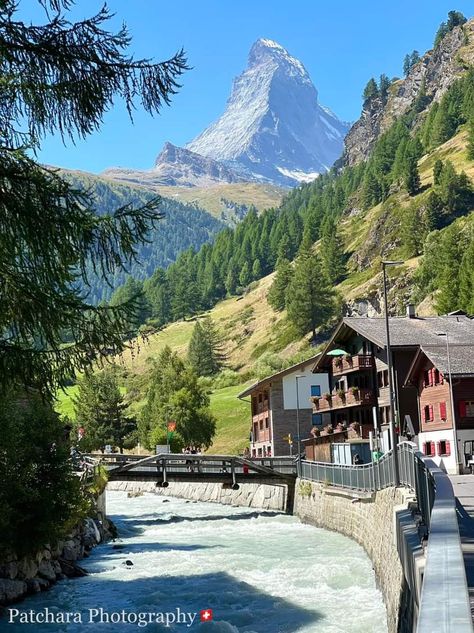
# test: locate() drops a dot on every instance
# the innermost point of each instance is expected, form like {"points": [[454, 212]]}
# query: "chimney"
{"points": [[411, 311]]}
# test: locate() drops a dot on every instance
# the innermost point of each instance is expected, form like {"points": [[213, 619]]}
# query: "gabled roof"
{"points": [[278, 374], [404, 331], [461, 360]]}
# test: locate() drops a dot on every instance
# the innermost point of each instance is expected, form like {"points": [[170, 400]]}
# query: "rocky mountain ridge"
{"points": [[434, 73]]}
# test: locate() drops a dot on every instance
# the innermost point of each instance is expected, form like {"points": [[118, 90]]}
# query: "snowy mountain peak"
{"points": [[264, 51], [273, 130], [273, 124]]}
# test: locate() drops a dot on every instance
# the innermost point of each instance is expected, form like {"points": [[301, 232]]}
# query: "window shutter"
{"points": [[438, 448], [431, 412], [448, 448], [424, 448], [462, 408], [431, 377], [441, 378], [442, 410]]}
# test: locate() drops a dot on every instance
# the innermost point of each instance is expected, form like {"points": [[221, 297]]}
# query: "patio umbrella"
{"points": [[337, 352]]}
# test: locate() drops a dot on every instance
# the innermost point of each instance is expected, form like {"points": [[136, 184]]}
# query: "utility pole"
{"points": [[393, 436]]}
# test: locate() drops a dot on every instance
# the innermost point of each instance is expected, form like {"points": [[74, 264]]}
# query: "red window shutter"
{"points": [[431, 412], [442, 410], [448, 448], [424, 448], [441, 378], [462, 408], [438, 448]]}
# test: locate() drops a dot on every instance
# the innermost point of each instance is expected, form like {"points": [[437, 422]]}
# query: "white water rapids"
{"points": [[258, 572]]}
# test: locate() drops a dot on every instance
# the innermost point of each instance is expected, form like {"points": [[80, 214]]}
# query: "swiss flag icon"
{"points": [[206, 615]]}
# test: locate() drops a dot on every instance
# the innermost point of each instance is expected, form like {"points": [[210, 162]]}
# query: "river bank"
{"points": [[21, 576]]}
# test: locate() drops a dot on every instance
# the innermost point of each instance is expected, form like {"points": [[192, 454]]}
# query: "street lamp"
{"points": [[393, 438], [451, 396], [298, 434]]}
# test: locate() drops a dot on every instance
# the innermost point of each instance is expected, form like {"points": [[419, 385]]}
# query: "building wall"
{"points": [[304, 387], [447, 463]]}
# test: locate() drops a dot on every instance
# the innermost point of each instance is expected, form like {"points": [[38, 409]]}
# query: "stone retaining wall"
{"points": [[20, 576], [372, 522], [264, 496]]}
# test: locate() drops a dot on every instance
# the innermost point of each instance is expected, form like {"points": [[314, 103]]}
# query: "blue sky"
{"points": [[342, 43]]}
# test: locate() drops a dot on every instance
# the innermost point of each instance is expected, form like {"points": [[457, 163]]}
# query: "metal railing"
{"points": [[444, 604]]}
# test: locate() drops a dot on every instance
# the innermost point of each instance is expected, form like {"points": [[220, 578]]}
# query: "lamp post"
{"points": [[393, 438], [451, 397], [298, 434]]}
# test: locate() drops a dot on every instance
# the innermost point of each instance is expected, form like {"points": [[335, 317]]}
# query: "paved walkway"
{"points": [[463, 486]]}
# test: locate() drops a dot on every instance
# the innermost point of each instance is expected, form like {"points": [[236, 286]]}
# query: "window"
{"points": [[315, 390], [254, 406], [426, 378], [255, 432], [259, 452], [261, 425], [429, 449], [382, 378], [442, 411], [466, 409], [444, 448], [266, 423], [269, 451], [428, 413], [436, 379], [260, 397], [316, 419]]}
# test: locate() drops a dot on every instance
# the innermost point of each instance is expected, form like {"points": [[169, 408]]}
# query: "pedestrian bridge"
{"points": [[226, 469]]}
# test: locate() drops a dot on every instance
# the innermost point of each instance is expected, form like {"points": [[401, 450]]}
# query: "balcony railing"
{"points": [[346, 364], [351, 398]]}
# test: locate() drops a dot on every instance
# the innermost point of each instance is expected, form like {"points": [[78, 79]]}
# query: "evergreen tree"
{"points": [[245, 276], [455, 18], [205, 353], [277, 292], [371, 189], [448, 298], [442, 31], [411, 231], [470, 139], [384, 86], [370, 91], [310, 298], [412, 176], [466, 278], [332, 252], [157, 294], [409, 61], [437, 171], [62, 77], [407, 65], [100, 410], [131, 293], [433, 212], [175, 394], [257, 269], [232, 278]]}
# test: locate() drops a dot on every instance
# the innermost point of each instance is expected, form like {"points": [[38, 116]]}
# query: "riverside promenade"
{"points": [[463, 486]]}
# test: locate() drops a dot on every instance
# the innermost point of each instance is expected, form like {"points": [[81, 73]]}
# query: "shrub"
{"points": [[40, 497]]}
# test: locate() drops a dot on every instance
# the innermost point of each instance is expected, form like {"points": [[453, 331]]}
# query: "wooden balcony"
{"points": [[359, 398], [346, 364]]}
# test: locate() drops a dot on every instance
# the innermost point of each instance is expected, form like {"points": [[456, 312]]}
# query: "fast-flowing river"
{"points": [[256, 572]]}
